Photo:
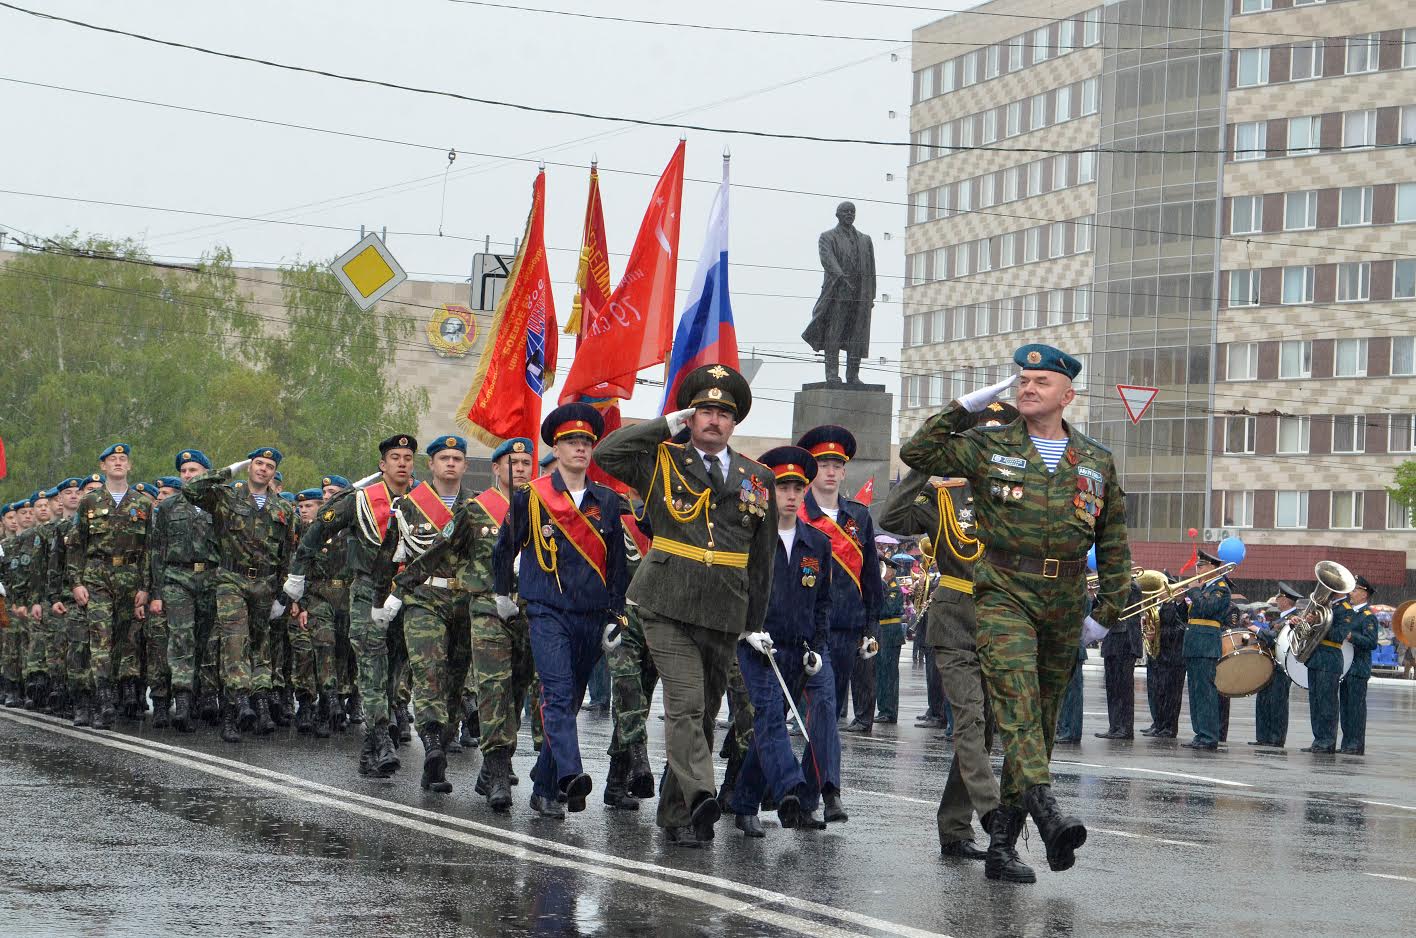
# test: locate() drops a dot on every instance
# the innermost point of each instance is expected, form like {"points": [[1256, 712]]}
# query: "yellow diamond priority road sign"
{"points": [[368, 271]]}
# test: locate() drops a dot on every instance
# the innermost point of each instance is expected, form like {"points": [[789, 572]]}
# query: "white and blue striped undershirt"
{"points": [[448, 499], [260, 499], [1051, 451]]}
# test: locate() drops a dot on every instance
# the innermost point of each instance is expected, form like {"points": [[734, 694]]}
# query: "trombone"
{"points": [[1159, 595], [1094, 579]]}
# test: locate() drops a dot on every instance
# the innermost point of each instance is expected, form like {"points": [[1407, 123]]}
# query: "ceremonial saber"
{"points": [[772, 660]]}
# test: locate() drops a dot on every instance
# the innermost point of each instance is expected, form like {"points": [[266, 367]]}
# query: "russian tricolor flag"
{"points": [[705, 333]]}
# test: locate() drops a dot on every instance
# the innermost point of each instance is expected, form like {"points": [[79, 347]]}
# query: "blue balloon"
{"points": [[1231, 550], [1091, 558]]}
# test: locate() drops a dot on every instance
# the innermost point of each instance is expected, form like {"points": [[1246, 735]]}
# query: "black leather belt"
{"points": [[250, 573], [1050, 567]]}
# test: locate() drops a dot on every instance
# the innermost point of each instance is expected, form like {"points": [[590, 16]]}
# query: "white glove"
{"points": [[400, 553], [237, 466], [612, 637], [384, 614], [869, 648], [679, 419], [975, 401], [760, 641], [2, 590], [506, 608], [1092, 631], [294, 587], [516, 565], [811, 663], [277, 609]]}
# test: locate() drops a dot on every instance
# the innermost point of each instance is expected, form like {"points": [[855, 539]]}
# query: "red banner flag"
{"points": [[519, 359], [3, 470], [634, 329], [866, 495]]}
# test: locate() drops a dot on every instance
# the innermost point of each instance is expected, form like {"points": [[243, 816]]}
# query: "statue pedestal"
{"points": [[865, 410]]}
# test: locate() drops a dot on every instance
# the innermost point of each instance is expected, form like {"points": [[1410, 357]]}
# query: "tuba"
{"points": [[1151, 583], [1308, 628]]}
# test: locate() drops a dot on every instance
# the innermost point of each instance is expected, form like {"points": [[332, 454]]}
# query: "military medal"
{"points": [[808, 581], [1017, 493], [547, 530]]}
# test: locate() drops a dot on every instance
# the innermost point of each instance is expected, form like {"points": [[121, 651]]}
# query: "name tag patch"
{"points": [[1089, 472], [1016, 462]]}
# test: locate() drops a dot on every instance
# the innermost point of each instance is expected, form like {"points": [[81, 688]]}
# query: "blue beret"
{"points": [[574, 419], [517, 444], [305, 495], [72, 482], [447, 442], [829, 442], [171, 482], [266, 452], [288, 496], [92, 477], [6, 508], [790, 462], [121, 449], [50, 493], [1038, 357], [335, 480], [547, 458], [192, 455], [147, 488], [42, 493], [278, 476]]}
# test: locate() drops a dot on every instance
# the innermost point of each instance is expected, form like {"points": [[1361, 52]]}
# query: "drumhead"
{"points": [[1296, 670], [1243, 672]]}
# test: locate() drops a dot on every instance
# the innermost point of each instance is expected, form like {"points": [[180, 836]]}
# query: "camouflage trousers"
{"points": [[283, 640], [634, 677], [740, 716], [78, 660], [113, 650], [1028, 630], [242, 621], [189, 604], [36, 660], [431, 626], [504, 671], [154, 635], [12, 649], [370, 640], [57, 650], [315, 652]]}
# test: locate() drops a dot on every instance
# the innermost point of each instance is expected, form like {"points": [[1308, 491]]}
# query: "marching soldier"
{"points": [[566, 530], [36, 662], [66, 502], [634, 677], [1209, 613], [1352, 694], [707, 578], [1325, 667], [892, 639], [184, 557], [1165, 675], [304, 679], [367, 514], [108, 565], [856, 588], [255, 532], [1271, 703], [20, 555], [1045, 494], [330, 609]]}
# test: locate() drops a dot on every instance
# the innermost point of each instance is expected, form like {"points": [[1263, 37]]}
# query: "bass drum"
{"points": [[1243, 668], [1296, 670]]}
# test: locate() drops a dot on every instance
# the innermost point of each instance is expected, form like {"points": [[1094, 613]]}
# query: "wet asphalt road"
{"points": [[141, 832]]}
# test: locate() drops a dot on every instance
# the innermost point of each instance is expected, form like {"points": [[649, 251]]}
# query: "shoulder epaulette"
{"points": [[1093, 442]]}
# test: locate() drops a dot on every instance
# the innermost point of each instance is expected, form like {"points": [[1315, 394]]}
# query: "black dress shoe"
{"points": [[682, 837], [1148, 731], [548, 807], [929, 723], [749, 825], [1163, 734], [811, 821], [1207, 747], [1261, 742], [789, 811], [835, 812], [576, 790], [1325, 750], [858, 728], [962, 849], [1067, 740], [1358, 751], [705, 815], [1113, 734]]}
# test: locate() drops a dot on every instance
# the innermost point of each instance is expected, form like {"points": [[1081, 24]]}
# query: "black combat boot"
{"points": [[264, 724], [323, 719], [354, 708], [287, 706], [617, 784], [107, 712], [245, 713], [386, 760], [496, 773], [83, 715], [1062, 833], [160, 715], [434, 760], [230, 710], [209, 708], [641, 776], [471, 722], [834, 811], [275, 705], [403, 725], [451, 743], [1004, 824], [369, 753], [128, 698], [32, 694], [182, 712], [338, 719], [305, 716]]}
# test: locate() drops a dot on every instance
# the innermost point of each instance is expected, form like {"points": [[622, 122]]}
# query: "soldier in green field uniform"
{"points": [[19, 552], [892, 639], [65, 504], [634, 677], [1044, 493], [255, 536], [108, 565], [36, 661]]}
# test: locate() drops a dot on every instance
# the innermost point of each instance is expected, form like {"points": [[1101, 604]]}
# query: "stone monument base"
{"points": [[865, 410]]}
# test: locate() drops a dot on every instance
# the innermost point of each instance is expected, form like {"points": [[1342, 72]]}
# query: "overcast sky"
{"points": [[80, 146]]}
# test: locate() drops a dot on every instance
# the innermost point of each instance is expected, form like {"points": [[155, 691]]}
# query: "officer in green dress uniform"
{"points": [[1271, 703], [1352, 693], [1209, 615]]}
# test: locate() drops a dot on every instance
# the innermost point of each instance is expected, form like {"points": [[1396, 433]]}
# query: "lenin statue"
{"points": [[841, 317]]}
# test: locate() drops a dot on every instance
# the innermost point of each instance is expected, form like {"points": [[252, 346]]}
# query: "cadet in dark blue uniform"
{"points": [[1119, 651], [797, 616], [1165, 674], [1209, 615], [573, 577], [856, 588], [1352, 693], [1271, 703]]}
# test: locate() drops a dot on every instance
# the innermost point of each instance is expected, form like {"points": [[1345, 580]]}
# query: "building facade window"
{"points": [[1408, 48], [1300, 211], [1295, 358], [1243, 364], [1401, 433], [1363, 53], [1354, 283], [1306, 61], [1403, 355], [1349, 433], [1292, 436], [1239, 435], [1359, 129], [1403, 280], [1243, 288], [1246, 214], [1407, 134], [1399, 515], [1237, 509], [1304, 135], [1406, 202], [1297, 285], [1250, 140], [1290, 510], [1354, 206], [1253, 68], [1347, 510]]}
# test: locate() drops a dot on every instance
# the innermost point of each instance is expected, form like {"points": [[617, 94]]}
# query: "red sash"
{"points": [[380, 504], [426, 499], [574, 525], [640, 541], [494, 503], [844, 548]]}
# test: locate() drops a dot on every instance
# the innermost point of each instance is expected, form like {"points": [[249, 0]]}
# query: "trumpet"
{"points": [[1151, 601], [1094, 579]]}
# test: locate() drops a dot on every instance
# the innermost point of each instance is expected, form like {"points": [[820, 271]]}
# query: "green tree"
{"points": [[1405, 489]]}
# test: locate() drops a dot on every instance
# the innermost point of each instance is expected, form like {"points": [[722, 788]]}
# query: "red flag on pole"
{"points": [[634, 329], [519, 359], [866, 495], [1192, 563], [3, 470]]}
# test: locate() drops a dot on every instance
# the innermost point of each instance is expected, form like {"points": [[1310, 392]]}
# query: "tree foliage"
{"points": [[100, 344], [1405, 489]]}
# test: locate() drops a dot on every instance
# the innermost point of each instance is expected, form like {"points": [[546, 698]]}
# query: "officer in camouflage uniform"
{"points": [[36, 660], [18, 551], [156, 632], [1045, 493], [367, 514], [634, 677], [304, 680], [108, 565], [65, 503], [255, 536], [184, 556], [325, 609]]}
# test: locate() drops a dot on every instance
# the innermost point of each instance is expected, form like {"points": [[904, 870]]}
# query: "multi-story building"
{"points": [[1203, 196]]}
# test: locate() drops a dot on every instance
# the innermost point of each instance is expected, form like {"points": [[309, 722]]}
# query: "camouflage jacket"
{"points": [[181, 542], [109, 537], [58, 587], [1022, 508], [251, 540], [465, 551], [349, 514], [42, 543]]}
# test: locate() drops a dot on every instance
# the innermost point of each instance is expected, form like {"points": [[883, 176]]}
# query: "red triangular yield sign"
{"points": [[1136, 400]]}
